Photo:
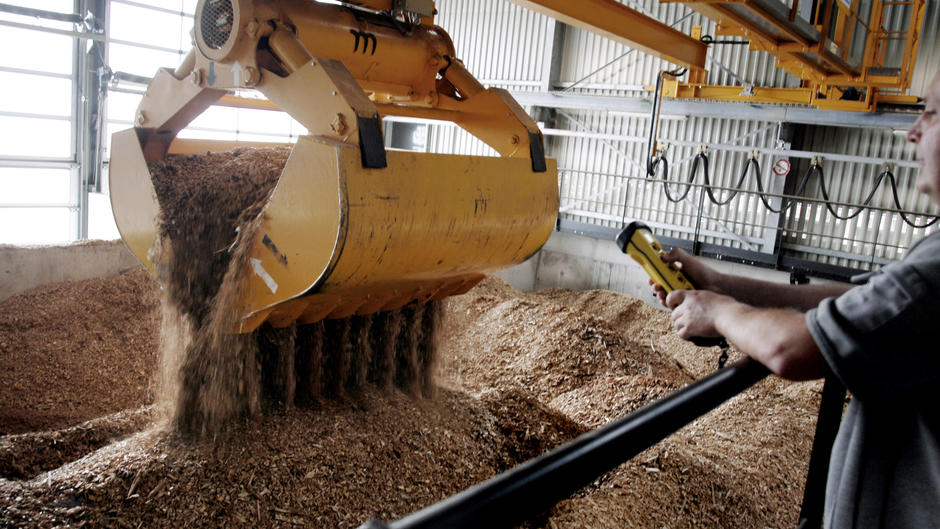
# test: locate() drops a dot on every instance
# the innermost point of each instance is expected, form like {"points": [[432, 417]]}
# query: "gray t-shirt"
{"points": [[882, 340]]}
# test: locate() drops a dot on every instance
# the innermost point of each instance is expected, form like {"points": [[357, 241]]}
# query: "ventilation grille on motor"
{"points": [[216, 23]]}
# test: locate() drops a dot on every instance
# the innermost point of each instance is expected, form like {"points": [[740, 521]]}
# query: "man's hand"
{"points": [[701, 276], [693, 312], [777, 338], [746, 312]]}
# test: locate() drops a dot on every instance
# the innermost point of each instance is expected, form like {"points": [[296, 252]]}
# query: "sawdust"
{"points": [[25, 456], [74, 351], [595, 356], [331, 465], [511, 388], [209, 207], [330, 424]]}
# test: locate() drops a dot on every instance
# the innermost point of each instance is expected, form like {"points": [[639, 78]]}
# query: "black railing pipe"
{"points": [[827, 427], [536, 485]]}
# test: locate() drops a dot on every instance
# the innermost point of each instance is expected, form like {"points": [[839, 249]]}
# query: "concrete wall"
{"points": [[577, 262], [26, 267], [567, 261]]}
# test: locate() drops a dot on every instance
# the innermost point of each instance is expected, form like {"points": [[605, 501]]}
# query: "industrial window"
{"points": [[34, 137], [146, 37], [37, 157], [37, 205], [41, 114]]}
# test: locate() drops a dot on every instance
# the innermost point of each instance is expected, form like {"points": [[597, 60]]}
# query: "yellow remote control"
{"points": [[637, 241]]}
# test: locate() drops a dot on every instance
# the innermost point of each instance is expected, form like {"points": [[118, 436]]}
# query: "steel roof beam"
{"points": [[747, 111], [626, 26]]}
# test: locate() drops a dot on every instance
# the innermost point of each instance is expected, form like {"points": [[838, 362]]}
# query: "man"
{"points": [[881, 339]]}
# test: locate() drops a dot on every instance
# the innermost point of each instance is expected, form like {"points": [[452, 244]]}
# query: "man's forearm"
{"points": [[760, 293], [778, 338]]}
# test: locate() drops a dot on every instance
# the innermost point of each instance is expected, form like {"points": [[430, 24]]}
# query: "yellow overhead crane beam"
{"points": [[840, 55], [618, 22]]}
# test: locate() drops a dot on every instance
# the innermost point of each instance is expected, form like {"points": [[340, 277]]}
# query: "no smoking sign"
{"points": [[782, 167]]}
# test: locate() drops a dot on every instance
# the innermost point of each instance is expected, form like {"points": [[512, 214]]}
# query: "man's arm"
{"points": [[751, 291], [777, 338], [759, 293]]}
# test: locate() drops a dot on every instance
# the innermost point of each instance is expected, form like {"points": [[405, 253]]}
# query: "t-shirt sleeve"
{"points": [[882, 339]]}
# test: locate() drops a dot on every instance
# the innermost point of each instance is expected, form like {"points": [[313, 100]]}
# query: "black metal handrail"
{"points": [[535, 486]]}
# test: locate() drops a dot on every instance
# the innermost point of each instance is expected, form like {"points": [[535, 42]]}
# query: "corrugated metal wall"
{"points": [[928, 53], [836, 239], [585, 53], [502, 44], [602, 177]]}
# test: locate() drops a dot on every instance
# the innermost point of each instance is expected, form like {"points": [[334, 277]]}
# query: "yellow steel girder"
{"points": [[627, 26], [818, 51]]}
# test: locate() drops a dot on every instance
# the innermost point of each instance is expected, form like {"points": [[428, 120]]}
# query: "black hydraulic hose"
{"points": [[536, 485], [760, 190], [654, 119], [655, 163], [825, 194], [654, 126], [688, 184], [708, 39], [665, 163], [734, 190], [881, 177], [897, 204], [785, 204], [752, 164]]}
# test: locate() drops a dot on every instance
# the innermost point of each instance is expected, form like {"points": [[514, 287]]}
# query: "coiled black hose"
{"points": [[753, 166]]}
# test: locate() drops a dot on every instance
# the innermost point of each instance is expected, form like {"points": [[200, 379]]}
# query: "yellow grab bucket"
{"points": [[337, 239], [350, 227]]}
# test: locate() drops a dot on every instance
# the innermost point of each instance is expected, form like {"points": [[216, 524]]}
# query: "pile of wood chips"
{"points": [[517, 374]]}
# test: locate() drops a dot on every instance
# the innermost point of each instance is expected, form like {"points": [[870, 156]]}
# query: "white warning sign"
{"points": [[782, 167]]}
